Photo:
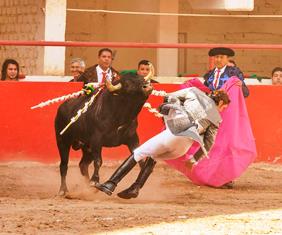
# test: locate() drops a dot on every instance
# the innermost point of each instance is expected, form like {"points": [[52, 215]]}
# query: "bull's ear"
{"points": [[151, 73], [112, 87]]}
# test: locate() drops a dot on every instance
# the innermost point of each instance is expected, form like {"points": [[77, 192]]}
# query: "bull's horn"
{"points": [[112, 87], [151, 73]]}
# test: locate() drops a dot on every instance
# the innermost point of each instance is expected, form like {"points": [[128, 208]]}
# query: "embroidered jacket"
{"points": [[192, 113], [228, 73]]}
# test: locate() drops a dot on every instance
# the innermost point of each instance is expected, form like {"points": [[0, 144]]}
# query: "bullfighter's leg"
{"points": [[96, 153], [64, 150], [165, 145], [109, 186], [133, 190]]}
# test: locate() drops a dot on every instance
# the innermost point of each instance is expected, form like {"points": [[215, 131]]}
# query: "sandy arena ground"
{"points": [[168, 204]]}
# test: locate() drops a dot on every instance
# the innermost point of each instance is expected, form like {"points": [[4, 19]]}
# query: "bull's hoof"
{"points": [[63, 190], [107, 187], [93, 183], [62, 193]]}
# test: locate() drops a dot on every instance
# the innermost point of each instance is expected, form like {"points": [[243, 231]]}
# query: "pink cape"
{"points": [[234, 148]]}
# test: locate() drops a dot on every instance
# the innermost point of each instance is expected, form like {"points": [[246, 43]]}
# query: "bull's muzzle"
{"points": [[147, 88]]}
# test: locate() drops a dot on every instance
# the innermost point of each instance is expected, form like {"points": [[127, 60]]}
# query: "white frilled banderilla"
{"points": [[89, 88]]}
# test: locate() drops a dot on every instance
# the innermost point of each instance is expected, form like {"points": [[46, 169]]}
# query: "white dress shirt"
{"points": [[100, 71], [215, 73]]}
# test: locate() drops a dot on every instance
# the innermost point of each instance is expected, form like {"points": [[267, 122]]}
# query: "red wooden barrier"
{"points": [[265, 112], [29, 134]]}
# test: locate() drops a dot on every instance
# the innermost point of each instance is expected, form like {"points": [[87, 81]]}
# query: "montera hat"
{"points": [[221, 51]]}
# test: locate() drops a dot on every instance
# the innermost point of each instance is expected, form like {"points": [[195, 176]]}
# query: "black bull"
{"points": [[110, 121]]}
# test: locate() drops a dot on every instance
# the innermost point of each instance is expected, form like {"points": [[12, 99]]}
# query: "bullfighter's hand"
{"points": [[164, 109], [239, 83]]}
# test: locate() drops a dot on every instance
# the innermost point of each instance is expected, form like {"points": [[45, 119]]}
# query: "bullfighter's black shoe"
{"points": [[229, 185], [133, 190], [109, 186]]}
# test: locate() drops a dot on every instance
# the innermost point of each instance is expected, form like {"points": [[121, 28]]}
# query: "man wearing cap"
{"points": [[215, 78]]}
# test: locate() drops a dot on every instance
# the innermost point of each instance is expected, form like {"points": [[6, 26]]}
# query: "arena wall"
{"points": [[29, 134], [87, 26], [23, 20], [234, 30]]}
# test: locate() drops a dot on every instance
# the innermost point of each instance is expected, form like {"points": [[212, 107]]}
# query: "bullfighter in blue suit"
{"points": [[215, 78]]}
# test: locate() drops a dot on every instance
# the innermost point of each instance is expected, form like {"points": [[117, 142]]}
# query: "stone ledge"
{"points": [[169, 80]]}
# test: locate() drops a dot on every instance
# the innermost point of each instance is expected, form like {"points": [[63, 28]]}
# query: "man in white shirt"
{"points": [[102, 70]]}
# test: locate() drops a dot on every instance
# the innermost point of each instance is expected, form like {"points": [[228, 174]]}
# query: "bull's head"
{"points": [[132, 84]]}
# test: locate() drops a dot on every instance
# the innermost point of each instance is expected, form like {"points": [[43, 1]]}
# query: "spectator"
{"points": [[142, 70], [77, 68], [10, 70], [215, 78], [277, 76], [102, 70]]}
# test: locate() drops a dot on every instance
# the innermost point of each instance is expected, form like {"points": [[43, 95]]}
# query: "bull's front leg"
{"points": [[64, 154], [97, 157]]}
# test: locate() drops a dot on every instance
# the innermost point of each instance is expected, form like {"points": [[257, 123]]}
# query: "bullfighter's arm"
{"points": [[182, 94], [209, 137]]}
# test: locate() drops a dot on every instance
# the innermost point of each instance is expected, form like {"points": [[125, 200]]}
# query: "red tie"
{"points": [[104, 77], [216, 78]]}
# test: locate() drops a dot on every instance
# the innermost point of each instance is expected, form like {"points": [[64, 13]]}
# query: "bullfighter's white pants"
{"points": [[163, 146]]}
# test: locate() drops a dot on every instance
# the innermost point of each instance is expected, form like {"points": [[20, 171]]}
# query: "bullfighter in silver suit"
{"points": [[189, 115]]}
